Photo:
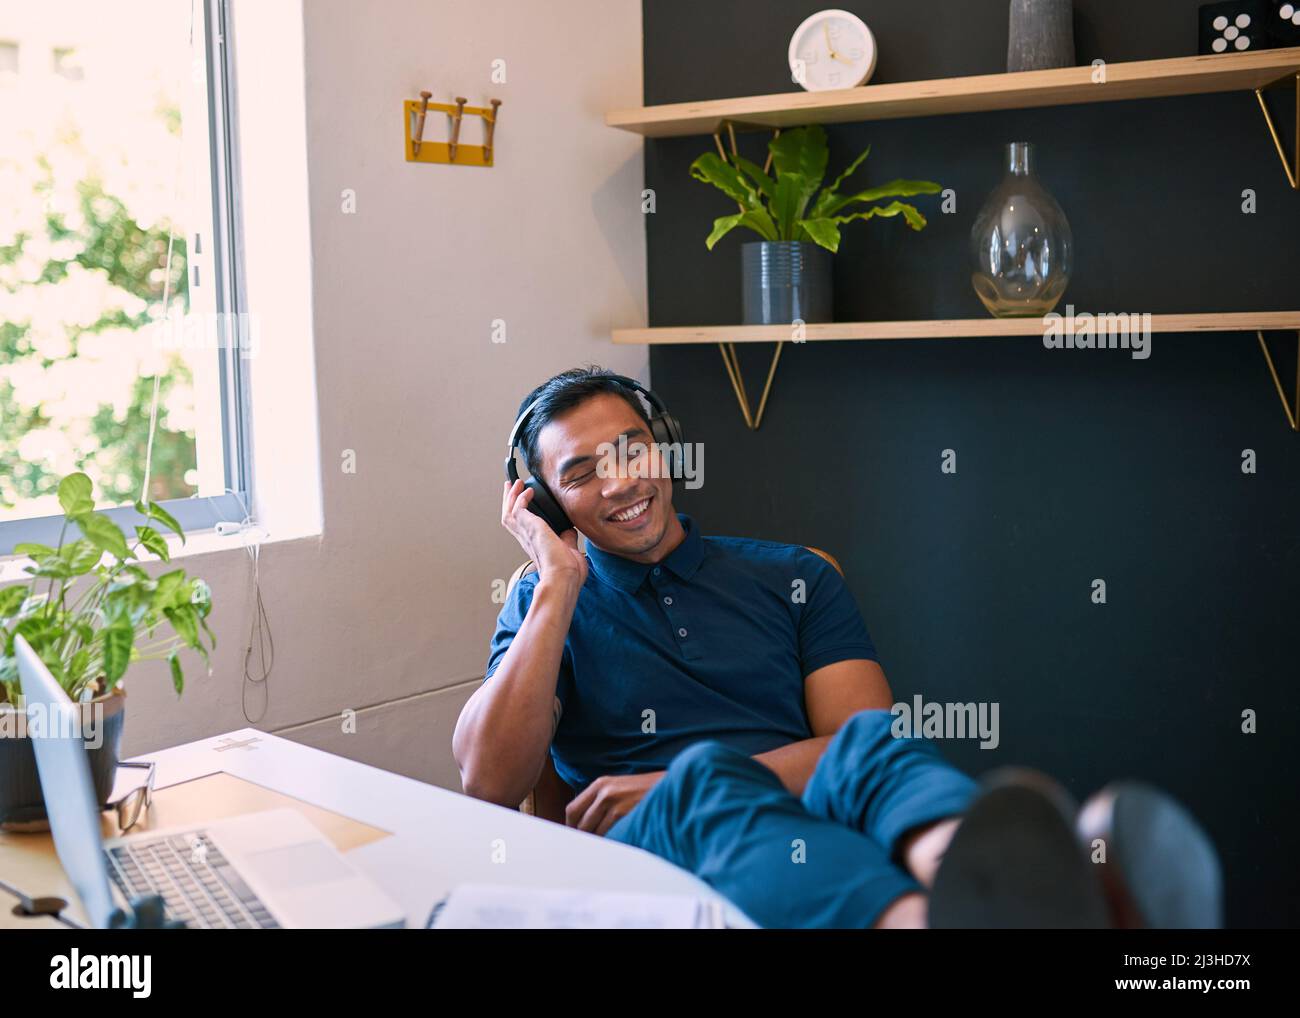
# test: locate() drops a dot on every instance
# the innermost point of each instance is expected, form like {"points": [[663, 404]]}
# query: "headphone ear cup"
{"points": [[667, 432], [544, 505]]}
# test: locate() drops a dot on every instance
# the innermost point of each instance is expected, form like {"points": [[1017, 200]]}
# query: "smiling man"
{"points": [[718, 701]]}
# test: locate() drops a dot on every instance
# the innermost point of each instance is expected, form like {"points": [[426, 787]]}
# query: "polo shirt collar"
{"points": [[627, 575]]}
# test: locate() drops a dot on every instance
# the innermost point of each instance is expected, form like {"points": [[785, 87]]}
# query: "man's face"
{"points": [[629, 511]]}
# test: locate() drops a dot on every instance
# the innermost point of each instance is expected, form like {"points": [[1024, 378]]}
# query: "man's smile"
{"points": [[631, 515]]}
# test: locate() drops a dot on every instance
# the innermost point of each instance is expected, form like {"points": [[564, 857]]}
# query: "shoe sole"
{"points": [[1015, 862], [1160, 870]]}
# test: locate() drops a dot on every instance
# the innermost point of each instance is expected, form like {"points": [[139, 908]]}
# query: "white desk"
{"points": [[438, 838]]}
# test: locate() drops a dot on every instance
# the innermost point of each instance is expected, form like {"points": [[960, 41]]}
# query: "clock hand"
{"points": [[826, 29]]}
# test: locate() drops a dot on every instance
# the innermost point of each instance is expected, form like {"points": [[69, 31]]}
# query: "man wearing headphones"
{"points": [[717, 701]]}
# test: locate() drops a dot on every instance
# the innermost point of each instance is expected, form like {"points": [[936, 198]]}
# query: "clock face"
{"points": [[832, 49]]}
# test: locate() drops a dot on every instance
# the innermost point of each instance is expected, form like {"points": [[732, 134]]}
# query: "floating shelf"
{"points": [[943, 328], [1143, 79], [727, 336]]}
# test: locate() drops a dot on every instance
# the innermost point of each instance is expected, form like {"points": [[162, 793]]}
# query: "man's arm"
{"points": [[832, 695], [505, 729]]}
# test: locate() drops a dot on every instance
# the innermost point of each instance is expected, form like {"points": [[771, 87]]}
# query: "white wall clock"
{"points": [[832, 49]]}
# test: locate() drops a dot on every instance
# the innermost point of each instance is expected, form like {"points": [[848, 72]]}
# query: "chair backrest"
{"points": [[547, 799], [528, 567]]}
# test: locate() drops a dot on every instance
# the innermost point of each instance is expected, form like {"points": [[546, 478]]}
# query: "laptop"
{"points": [[261, 870]]}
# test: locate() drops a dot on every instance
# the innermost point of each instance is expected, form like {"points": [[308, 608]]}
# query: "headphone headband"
{"points": [[663, 428], [656, 405]]}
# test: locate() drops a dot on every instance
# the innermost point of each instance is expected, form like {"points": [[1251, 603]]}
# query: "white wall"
{"points": [[389, 611]]}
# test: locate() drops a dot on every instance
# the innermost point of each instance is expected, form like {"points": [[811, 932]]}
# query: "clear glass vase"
{"points": [[1021, 244]]}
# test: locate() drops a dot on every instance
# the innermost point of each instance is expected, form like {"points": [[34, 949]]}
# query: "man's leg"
{"points": [[899, 792], [728, 819], [1010, 846]]}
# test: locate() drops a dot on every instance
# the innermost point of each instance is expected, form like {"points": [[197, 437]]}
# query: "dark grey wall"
{"points": [[1072, 465]]}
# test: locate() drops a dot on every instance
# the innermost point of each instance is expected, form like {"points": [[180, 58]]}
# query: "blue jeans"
{"points": [[828, 859]]}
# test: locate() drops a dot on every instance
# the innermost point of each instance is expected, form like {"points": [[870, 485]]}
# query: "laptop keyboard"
{"points": [[197, 884]]}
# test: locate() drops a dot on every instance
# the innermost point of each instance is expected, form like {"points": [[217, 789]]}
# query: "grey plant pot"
{"points": [[784, 280], [22, 806], [1040, 35]]}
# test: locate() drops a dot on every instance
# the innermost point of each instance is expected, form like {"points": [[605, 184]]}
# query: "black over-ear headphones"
{"points": [[663, 428]]}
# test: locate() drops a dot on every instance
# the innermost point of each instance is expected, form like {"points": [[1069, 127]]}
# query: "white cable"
{"points": [[260, 636]]}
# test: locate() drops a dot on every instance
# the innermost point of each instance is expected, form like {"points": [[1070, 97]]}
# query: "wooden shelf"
{"points": [[945, 328], [1145, 79]]}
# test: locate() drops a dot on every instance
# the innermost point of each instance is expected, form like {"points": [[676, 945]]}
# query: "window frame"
{"points": [[201, 512]]}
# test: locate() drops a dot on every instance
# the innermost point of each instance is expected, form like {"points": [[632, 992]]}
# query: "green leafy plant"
{"points": [[89, 642], [789, 205]]}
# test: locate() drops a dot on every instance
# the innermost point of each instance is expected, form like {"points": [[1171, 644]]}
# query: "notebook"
{"points": [[507, 907]]}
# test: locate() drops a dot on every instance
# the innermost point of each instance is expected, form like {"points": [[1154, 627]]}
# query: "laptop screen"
{"points": [[54, 726]]}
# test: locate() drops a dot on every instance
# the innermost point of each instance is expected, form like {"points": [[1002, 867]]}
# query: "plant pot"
{"points": [[785, 280], [22, 806]]}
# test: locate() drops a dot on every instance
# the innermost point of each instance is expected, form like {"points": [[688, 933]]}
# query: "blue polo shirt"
{"points": [[713, 642]]}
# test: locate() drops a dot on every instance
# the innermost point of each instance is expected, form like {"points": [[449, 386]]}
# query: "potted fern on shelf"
{"points": [[787, 274], [90, 611]]}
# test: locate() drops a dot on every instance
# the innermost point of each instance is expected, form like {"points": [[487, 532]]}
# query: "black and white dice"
{"points": [[1283, 21], [1237, 26]]}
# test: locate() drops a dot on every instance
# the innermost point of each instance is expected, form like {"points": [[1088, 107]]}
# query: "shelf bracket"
{"points": [[1292, 414], [1290, 163], [729, 358]]}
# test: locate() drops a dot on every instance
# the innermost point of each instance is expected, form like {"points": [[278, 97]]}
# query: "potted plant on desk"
{"points": [[787, 274], [89, 642]]}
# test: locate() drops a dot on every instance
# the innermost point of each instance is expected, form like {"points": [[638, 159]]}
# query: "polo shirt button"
{"points": [[656, 570], [681, 632], [668, 600]]}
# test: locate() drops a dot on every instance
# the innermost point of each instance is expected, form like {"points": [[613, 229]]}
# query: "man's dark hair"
{"points": [[562, 393]]}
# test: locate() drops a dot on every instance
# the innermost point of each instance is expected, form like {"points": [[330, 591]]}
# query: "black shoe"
{"points": [[1015, 862], [1160, 869]]}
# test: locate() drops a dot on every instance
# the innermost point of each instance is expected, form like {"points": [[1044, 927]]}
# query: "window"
{"points": [[114, 158]]}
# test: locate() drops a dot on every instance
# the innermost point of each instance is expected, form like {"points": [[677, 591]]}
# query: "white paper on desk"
{"points": [[506, 907]]}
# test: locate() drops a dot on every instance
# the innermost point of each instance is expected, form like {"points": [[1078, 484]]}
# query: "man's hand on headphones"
{"points": [[557, 555]]}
